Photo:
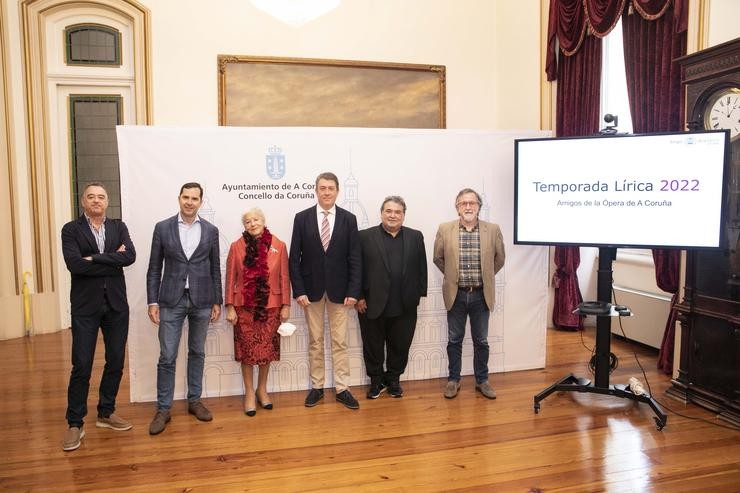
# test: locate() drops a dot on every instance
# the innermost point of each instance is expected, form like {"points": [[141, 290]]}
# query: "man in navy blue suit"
{"points": [[190, 286], [326, 272], [96, 249]]}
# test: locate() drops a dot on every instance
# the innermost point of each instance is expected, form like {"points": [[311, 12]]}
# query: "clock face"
{"points": [[723, 111]]}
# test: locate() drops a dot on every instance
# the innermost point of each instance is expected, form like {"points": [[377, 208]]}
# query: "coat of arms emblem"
{"points": [[275, 162]]}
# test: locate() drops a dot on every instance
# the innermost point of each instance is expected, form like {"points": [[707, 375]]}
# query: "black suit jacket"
{"points": [[336, 272], [203, 270], [376, 275], [91, 280]]}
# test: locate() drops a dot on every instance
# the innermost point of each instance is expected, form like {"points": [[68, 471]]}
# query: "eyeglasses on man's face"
{"points": [[467, 203]]}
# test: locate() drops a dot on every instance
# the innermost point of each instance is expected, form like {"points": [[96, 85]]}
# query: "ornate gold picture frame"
{"points": [[300, 92]]}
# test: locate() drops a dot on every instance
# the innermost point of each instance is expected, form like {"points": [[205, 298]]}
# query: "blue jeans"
{"points": [[473, 304], [170, 329]]}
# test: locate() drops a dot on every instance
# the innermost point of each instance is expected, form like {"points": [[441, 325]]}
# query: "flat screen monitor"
{"points": [[639, 191]]}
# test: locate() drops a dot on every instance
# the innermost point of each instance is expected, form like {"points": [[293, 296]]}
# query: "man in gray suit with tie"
{"points": [[190, 287]]}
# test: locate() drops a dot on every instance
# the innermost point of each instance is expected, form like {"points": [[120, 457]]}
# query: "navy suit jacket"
{"points": [[376, 274], [91, 280], [336, 272], [203, 269]]}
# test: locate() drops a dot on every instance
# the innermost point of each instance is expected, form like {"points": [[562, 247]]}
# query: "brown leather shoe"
{"points": [[451, 389], [199, 411], [159, 423], [486, 389]]}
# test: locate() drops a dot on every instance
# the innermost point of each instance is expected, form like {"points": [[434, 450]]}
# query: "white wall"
{"points": [[489, 85], [723, 21]]}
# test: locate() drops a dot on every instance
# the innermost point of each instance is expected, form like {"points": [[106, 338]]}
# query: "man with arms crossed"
{"points": [[190, 287], [394, 277], [469, 252], [96, 249], [325, 272]]}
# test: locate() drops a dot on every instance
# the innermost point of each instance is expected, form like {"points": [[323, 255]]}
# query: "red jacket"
{"points": [[277, 265]]}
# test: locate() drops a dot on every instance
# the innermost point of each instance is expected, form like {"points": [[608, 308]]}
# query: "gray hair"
{"points": [[468, 190], [396, 199], [93, 184], [255, 211]]}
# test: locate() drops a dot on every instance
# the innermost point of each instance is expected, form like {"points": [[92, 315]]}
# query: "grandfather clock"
{"points": [[709, 313]]}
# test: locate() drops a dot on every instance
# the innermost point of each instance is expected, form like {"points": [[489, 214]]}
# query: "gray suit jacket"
{"points": [[447, 258], [203, 269]]}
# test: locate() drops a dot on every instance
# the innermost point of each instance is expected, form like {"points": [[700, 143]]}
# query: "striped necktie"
{"points": [[325, 230]]}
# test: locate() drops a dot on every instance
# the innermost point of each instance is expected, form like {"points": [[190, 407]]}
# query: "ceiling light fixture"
{"points": [[296, 13]]}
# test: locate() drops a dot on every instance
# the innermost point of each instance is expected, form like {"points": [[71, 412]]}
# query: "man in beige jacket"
{"points": [[469, 252]]}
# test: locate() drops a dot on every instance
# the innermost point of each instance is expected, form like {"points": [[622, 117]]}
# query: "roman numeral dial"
{"points": [[723, 111]]}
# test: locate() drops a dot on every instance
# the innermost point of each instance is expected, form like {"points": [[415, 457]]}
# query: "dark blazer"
{"points": [[203, 269], [336, 272], [376, 278], [91, 280]]}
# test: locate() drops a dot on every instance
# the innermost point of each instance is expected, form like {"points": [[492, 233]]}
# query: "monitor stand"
{"points": [[571, 383]]}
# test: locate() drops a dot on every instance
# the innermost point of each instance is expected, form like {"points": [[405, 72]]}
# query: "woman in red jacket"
{"points": [[257, 300]]}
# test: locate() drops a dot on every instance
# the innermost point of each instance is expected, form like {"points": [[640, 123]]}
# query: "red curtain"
{"points": [[579, 80], [567, 293], [603, 15], [653, 39], [652, 42], [667, 270], [571, 20]]}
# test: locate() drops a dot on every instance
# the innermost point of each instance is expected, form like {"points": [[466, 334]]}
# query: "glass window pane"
{"points": [[614, 99], [94, 149], [92, 44]]}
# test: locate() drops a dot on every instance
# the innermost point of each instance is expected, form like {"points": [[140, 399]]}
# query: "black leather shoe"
{"points": [[395, 390], [313, 397], [375, 390], [264, 405], [346, 398]]}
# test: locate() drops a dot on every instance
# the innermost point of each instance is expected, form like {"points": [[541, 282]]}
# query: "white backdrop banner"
{"points": [[275, 169]]}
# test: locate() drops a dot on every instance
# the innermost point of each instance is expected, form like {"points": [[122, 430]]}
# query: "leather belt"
{"points": [[470, 289]]}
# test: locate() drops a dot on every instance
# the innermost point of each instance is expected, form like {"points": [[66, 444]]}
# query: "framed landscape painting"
{"points": [[305, 92]]}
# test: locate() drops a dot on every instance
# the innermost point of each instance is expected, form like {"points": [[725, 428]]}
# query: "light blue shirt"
{"points": [[189, 238]]}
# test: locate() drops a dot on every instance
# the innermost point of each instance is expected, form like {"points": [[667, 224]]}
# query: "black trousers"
{"points": [[391, 335], [114, 326]]}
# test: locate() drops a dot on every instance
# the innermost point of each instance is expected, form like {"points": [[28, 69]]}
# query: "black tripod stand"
{"points": [[571, 383]]}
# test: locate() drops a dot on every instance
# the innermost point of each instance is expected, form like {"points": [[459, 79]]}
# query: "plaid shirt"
{"points": [[471, 275]]}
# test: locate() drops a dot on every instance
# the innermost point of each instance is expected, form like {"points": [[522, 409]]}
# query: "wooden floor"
{"points": [[420, 443]]}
